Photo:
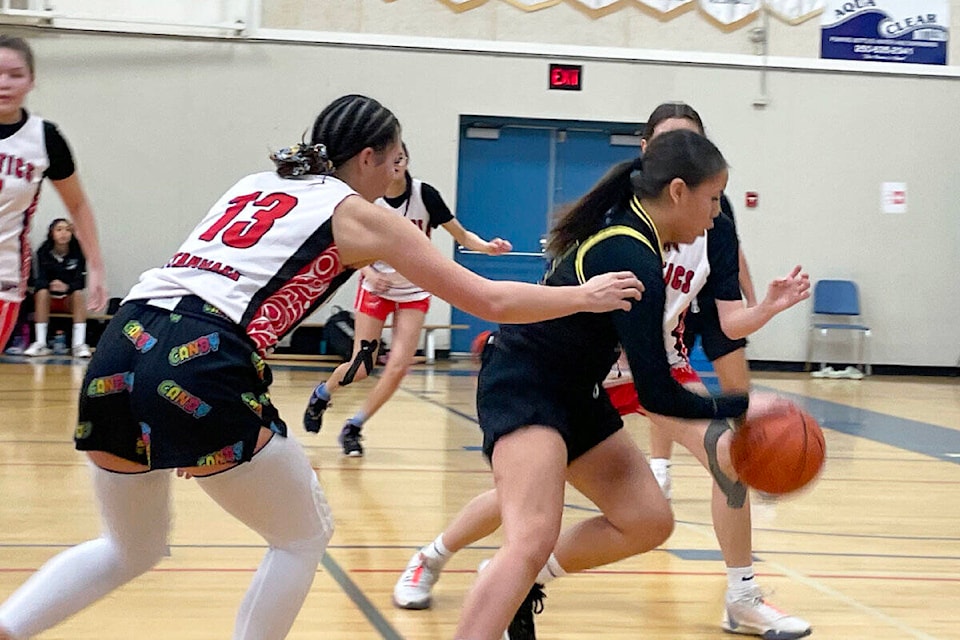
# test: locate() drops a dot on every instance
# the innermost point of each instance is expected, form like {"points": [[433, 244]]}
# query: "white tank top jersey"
{"points": [[23, 161], [687, 267], [414, 210], [686, 271], [264, 255]]}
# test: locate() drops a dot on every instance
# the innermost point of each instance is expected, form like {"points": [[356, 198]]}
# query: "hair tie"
{"points": [[302, 159]]}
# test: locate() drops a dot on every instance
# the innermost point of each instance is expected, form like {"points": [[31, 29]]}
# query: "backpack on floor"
{"points": [[338, 333]]}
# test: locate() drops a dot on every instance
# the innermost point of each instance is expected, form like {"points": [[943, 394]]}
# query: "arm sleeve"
{"points": [[640, 331], [436, 207], [723, 252], [61, 160]]}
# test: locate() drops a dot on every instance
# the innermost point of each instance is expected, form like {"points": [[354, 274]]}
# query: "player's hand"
{"points": [[377, 282], [611, 291], [96, 288], [498, 246], [785, 292]]}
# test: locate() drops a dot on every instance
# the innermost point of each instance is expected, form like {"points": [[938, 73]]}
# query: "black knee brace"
{"points": [[736, 492], [368, 351]]}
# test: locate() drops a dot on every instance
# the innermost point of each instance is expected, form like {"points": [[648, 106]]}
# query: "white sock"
{"points": [[41, 329], [79, 334], [740, 581], [660, 465], [436, 553], [550, 571]]}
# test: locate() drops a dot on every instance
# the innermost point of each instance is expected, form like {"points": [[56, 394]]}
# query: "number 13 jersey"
{"points": [[264, 255]]}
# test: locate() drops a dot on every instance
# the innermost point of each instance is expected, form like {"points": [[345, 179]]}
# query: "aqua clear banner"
{"points": [[912, 31]]}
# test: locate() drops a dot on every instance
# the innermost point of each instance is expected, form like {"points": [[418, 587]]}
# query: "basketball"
{"points": [[779, 449], [476, 347]]}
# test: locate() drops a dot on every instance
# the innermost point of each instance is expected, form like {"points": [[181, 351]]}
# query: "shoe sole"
{"points": [[353, 454], [416, 605], [768, 635]]}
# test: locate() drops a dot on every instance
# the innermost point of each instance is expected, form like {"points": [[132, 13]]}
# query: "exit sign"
{"points": [[566, 77]]}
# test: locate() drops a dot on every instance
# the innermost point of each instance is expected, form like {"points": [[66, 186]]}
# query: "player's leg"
{"points": [[733, 371], [529, 466], [41, 319], [636, 517], [77, 304], [135, 518], [277, 495], [407, 322], [478, 519], [372, 312]]}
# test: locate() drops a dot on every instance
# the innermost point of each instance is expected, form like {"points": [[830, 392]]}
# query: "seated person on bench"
{"points": [[59, 278]]}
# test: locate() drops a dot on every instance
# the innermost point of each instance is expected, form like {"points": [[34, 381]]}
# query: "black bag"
{"points": [[338, 333]]}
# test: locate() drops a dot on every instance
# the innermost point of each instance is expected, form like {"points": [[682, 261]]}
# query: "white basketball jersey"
{"points": [[264, 255], [685, 274], [23, 160], [414, 210]]}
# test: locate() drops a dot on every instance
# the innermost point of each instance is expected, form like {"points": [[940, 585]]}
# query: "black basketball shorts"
{"points": [[177, 388], [515, 390]]}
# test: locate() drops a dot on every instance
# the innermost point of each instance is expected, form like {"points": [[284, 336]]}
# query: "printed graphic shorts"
{"points": [[177, 388]]}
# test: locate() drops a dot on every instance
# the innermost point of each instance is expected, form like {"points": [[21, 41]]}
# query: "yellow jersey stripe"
{"points": [[609, 232], [643, 215]]}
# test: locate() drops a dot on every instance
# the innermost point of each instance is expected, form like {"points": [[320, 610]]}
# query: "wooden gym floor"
{"points": [[872, 551]]}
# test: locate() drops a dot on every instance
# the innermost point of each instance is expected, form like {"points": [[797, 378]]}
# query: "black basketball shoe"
{"points": [[522, 627]]}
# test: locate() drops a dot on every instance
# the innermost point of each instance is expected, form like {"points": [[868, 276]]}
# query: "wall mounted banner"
{"points": [[914, 31], [794, 11], [730, 12]]}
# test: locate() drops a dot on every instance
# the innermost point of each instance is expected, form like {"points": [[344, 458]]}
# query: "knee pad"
{"points": [[315, 544], [736, 492], [365, 357]]}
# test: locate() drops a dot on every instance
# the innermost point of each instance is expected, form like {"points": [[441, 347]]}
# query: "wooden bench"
{"points": [[429, 341], [429, 338]]}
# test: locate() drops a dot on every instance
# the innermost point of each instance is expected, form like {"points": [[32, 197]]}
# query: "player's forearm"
{"points": [[738, 321]]}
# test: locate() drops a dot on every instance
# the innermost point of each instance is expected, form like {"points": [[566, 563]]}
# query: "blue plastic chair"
{"points": [[833, 301]]}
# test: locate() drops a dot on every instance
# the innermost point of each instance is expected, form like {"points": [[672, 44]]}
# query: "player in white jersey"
{"points": [[382, 292], [32, 149], [709, 263], [179, 381]]}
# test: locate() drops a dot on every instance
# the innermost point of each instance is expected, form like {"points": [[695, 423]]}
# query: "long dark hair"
{"points": [[669, 110], [680, 154], [49, 244], [20, 46], [347, 126]]}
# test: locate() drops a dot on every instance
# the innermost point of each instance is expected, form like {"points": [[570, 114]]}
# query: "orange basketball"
{"points": [[779, 449], [476, 347]]}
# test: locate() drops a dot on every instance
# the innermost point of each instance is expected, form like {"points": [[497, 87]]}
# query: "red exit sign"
{"points": [[566, 77]]}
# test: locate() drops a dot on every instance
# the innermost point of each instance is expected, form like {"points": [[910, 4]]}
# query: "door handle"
{"points": [[522, 254]]}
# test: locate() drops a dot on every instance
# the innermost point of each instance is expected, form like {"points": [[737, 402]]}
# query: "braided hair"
{"points": [[347, 126]]}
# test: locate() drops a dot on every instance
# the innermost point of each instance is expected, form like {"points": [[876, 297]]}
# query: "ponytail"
{"points": [[302, 159], [585, 217]]}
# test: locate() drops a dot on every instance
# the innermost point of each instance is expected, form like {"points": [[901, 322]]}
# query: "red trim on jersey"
{"points": [[9, 312], [26, 254], [370, 304], [624, 395], [282, 310]]}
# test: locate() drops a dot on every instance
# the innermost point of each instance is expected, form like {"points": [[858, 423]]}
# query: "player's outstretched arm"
{"points": [[738, 321], [365, 233]]}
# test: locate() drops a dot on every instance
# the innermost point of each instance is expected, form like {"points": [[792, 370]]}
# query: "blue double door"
{"points": [[513, 176]]}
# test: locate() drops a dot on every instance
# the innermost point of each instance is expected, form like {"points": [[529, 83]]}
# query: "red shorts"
{"points": [[370, 304], [9, 312], [624, 395], [60, 304]]}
